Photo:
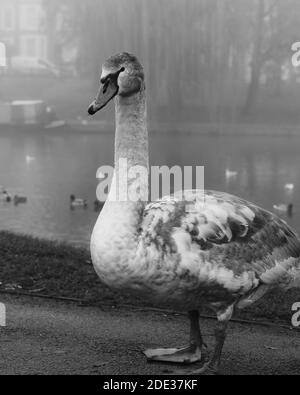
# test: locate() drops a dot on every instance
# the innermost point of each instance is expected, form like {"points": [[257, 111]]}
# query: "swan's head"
{"points": [[122, 75]]}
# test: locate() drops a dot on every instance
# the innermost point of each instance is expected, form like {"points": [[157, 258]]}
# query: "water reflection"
{"points": [[49, 168]]}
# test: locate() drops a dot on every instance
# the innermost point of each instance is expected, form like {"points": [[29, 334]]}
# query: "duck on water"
{"points": [[77, 202], [224, 253], [4, 195]]}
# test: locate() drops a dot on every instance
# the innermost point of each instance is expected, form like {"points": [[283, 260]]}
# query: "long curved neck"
{"points": [[115, 237], [131, 140], [131, 143]]}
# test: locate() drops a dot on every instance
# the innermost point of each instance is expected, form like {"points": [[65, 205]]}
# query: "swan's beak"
{"points": [[106, 93]]}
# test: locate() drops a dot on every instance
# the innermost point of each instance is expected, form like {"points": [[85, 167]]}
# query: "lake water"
{"points": [[48, 167]]}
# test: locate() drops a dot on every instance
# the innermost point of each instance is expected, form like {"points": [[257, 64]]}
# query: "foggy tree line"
{"points": [[214, 55]]}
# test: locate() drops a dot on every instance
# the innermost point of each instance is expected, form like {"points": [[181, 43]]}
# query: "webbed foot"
{"points": [[184, 355]]}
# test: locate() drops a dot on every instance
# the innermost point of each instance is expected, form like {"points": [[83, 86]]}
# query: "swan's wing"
{"points": [[232, 233]]}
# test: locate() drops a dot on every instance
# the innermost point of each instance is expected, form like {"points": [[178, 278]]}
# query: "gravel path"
{"points": [[63, 338]]}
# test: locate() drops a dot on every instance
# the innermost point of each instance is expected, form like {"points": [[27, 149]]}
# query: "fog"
{"points": [[223, 96], [205, 60], [223, 88]]}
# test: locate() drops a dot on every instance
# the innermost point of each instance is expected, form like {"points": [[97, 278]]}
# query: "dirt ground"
{"points": [[47, 338]]}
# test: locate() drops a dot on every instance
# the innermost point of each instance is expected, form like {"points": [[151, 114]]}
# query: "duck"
{"points": [[77, 202], [18, 199], [98, 205], [284, 208], [4, 195], [224, 252]]}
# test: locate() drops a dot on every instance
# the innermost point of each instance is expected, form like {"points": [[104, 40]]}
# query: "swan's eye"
{"points": [[108, 77], [113, 76]]}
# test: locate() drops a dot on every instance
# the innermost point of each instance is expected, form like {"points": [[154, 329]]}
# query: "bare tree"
{"points": [[205, 56]]}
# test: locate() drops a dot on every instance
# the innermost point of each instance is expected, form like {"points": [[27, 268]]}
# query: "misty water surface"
{"points": [[47, 168]]}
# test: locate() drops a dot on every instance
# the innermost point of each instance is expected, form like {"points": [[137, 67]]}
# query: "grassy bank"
{"points": [[49, 268]]}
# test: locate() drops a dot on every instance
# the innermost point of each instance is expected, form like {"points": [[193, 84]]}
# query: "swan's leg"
{"points": [[187, 355], [213, 365]]}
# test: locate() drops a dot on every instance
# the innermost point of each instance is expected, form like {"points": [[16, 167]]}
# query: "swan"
{"points": [[289, 187], [230, 174], [29, 159], [224, 253]]}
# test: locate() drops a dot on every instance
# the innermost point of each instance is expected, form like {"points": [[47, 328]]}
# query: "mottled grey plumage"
{"points": [[237, 239]]}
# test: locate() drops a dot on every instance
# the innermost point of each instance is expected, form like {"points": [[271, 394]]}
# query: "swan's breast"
{"points": [[114, 244]]}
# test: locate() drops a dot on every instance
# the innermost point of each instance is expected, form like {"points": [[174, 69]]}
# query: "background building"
{"points": [[23, 28]]}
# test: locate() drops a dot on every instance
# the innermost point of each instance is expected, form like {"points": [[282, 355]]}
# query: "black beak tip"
{"points": [[91, 109]]}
